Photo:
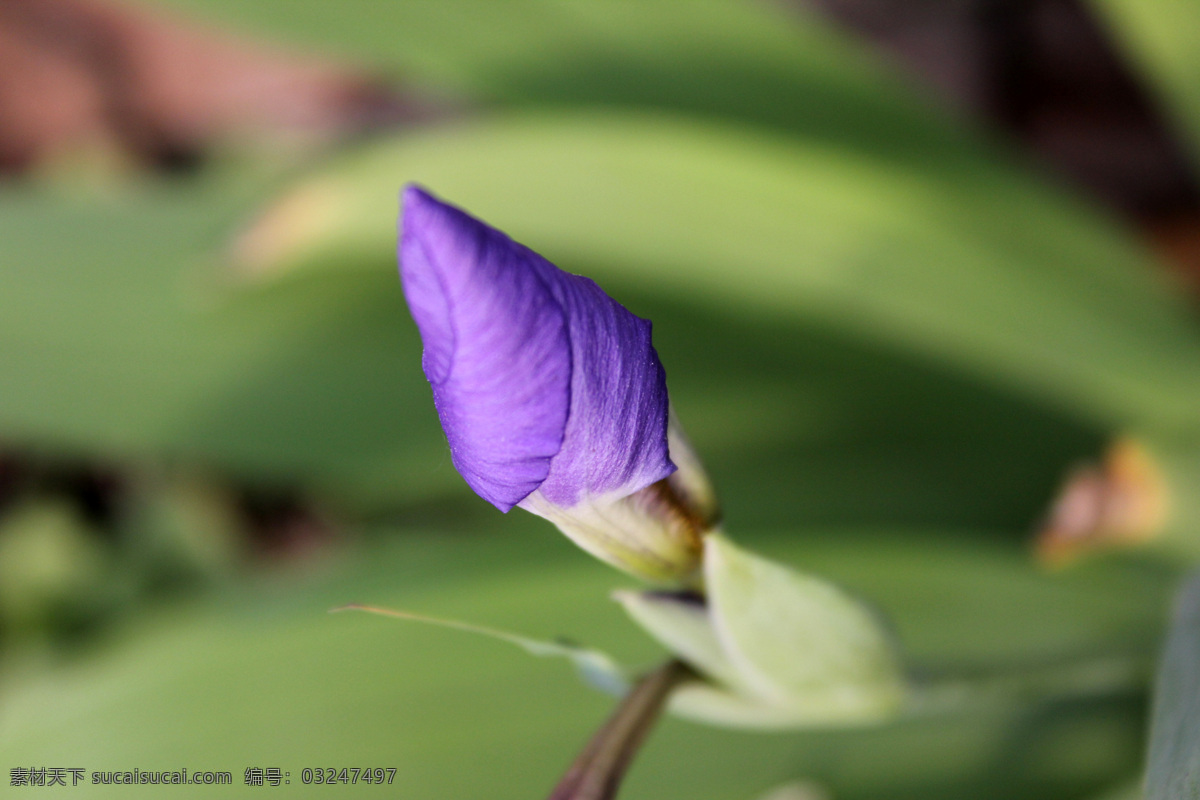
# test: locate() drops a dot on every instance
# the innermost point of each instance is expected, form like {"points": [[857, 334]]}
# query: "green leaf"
{"points": [[1129, 790], [54, 570], [1067, 311], [770, 65], [1159, 35], [1173, 771], [317, 382], [260, 673]]}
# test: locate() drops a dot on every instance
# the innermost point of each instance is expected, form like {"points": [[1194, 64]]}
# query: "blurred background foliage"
{"points": [[909, 265]]}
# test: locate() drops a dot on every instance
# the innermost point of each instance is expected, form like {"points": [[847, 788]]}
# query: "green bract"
{"points": [[779, 648]]}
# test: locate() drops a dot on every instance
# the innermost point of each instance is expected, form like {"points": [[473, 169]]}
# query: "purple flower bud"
{"points": [[550, 393]]}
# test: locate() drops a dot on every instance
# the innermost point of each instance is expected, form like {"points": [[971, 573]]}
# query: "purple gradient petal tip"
{"points": [[544, 384]]}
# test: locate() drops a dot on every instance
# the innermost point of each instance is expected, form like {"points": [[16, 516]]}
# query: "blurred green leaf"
{"points": [[181, 529], [769, 64], [54, 572], [799, 399], [264, 676], [1131, 790], [1160, 34], [1173, 764], [111, 346], [757, 62], [116, 341], [990, 273]]}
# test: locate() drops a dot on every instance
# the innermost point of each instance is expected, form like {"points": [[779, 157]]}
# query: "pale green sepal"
{"points": [[798, 641], [628, 531], [684, 628], [597, 669], [709, 704]]}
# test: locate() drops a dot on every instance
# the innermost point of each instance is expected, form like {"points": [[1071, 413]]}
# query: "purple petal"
{"points": [[541, 381]]}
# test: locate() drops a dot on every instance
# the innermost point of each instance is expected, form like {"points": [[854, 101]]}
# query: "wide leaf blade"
{"points": [[1174, 760]]}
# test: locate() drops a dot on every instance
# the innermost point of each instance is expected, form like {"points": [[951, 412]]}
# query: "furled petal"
{"points": [[542, 382]]}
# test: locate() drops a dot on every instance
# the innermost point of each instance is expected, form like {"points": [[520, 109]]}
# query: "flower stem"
{"points": [[596, 773]]}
